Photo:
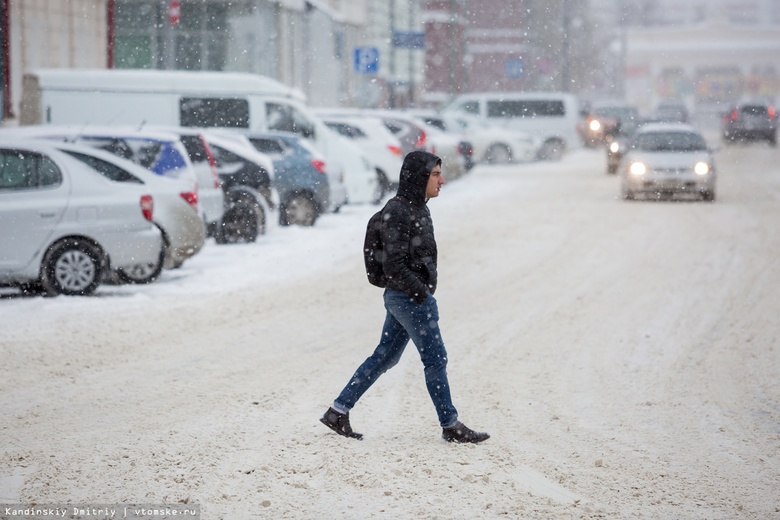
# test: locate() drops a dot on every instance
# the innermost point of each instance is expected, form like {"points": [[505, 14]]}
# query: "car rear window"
{"points": [[195, 148], [755, 110], [106, 169]]}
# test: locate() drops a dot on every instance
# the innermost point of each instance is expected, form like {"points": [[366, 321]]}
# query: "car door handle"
{"points": [[47, 215]]}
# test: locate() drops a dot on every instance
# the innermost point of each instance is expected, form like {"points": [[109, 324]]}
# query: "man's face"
{"points": [[435, 181]]}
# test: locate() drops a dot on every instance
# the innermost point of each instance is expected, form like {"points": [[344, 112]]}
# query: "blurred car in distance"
{"points": [[300, 176], [552, 116], [63, 225], [750, 122], [671, 111], [175, 208], [606, 121], [490, 144], [668, 159]]}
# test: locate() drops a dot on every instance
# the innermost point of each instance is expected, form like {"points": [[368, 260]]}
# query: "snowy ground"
{"points": [[624, 356]]}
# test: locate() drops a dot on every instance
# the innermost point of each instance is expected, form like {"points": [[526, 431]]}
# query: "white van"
{"points": [[550, 116], [176, 98]]}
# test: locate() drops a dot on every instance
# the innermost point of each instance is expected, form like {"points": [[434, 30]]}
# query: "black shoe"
{"points": [[462, 433], [339, 423]]}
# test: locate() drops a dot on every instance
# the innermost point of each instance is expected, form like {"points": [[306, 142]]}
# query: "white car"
{"points": [[63, 225], [162, 152], [175, 207], [358, 170], [667, 159], [371, 135], [212, 198], [492, 145]]}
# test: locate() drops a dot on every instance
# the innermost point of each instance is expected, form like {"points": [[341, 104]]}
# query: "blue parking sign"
{"points": [[366, 60], [514, 68]]}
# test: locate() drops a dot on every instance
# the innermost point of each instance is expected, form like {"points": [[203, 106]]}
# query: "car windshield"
{"points": [[670, 142]]}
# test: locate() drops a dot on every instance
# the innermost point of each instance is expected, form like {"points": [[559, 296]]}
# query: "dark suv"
{"points": [[750, 121]]}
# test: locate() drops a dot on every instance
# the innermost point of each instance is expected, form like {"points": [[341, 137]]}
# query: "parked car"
{"points": [[300, 177], [63, 225], [175, 208], [245, 175], [750, 121], [358, 169], [449, 147], [667, 159], [491, 144], [162, 152], [213, 202], [372, 136]]}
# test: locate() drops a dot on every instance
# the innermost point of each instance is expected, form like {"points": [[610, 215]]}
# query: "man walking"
{"points": [[409, 263]]}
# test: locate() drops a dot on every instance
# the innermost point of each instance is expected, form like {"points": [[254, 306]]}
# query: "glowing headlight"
{"points": [[638, 168], [701, 168], [614, 147], [595, 125]]}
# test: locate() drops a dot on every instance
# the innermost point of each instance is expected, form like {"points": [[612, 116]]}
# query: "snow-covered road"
{"points": [[624, 356]]}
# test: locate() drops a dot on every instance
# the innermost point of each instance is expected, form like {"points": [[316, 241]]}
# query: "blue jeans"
{"points": [[407, 319]]}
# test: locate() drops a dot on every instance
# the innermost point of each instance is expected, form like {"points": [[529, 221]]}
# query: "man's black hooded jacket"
{"points": [[407, 231]]}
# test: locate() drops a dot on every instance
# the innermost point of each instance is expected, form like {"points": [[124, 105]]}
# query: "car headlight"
{"points": [[637, 168], [701, 168], [595, 125], [614, 147]]}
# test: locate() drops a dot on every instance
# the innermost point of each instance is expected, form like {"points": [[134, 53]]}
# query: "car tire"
{"points": [[142, 273], [498, 154], [72, 267], [708, 196], [382, 186], [772, 139], [627, 194], [551, 150], [242, 223], [612, 169], [299, 210]]}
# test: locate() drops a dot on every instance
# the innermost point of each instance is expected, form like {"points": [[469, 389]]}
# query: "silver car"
{"points": [[175, 207], [668, 159], [63, 225]]}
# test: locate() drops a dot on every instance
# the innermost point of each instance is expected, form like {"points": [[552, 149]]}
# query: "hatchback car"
{"points": [[63, 225], [750, 121], [175, 212], [376, 139], [667, 159], [300, 177]]}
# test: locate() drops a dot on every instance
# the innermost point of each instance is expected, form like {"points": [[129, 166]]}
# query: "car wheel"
{"points": [[142, 273], [242, 222], [382, 186], [772, 140], [299, 210], [498, 154], [551, 150], [612, 168], [708, 196], [72, 267], [627, 193]]}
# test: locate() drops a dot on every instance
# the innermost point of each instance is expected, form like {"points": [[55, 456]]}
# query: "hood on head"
{"points": [[415, 173]]}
